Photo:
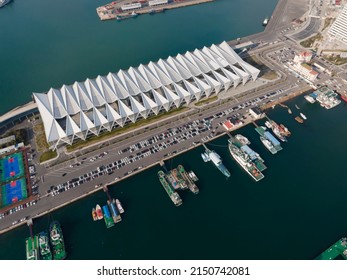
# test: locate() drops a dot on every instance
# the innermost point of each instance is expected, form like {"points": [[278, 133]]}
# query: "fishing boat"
{"points": [[299, 120]]}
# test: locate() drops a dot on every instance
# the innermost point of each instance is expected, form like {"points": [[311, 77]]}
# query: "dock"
{"points": [[339, 248]]}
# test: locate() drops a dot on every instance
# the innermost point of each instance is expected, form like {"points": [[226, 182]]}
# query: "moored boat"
{"points": [[94, 215], [344, 97], [119, 206], [299, 120], [45, 250], [205, 157], [244, 161], [57, 241], [99, 213], [243, 140], [268, 145]]}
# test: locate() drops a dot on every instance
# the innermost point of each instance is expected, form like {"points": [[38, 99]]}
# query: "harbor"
{"points": [[124, 9]]}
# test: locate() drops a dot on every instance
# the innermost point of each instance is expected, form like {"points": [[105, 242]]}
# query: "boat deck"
{"points": [[338, 248], [109, 222], [31, 246]]}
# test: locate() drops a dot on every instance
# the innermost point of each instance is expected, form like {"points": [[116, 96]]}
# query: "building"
{"points": [[131, 6], [154, 3], [256, 112], [338, 30], [87, 108], [306, 71], [303, 57]]}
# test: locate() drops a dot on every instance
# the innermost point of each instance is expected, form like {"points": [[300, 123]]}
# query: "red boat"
{"points": [[99, 212], [344, 97]]}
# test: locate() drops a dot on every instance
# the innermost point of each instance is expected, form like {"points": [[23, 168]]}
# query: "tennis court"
{"points": [[11, 167], [13, 192]]}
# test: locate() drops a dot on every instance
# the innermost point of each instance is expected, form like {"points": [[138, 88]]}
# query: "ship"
{"points": [[186, 177], [205, 157], [266, 21], [94, 215], [193, 176], [119, 206], [244, 161], [277, 130], [303, 116], [174, 196], [180, 179], [4, 2], [99, 212], [31, 247], [115, 213], [268, 136], [45, 250], [268, 145], [217, 161], [299, 120], [57, 241]]}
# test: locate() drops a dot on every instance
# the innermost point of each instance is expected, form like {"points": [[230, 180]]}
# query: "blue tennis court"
{"points": [[13, 192], [11, 167]]}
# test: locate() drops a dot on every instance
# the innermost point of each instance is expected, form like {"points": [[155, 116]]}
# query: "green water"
{"points": [[295, 212], [49, 43]]}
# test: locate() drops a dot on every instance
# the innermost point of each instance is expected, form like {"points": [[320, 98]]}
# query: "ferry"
{"points": [[119, 206], [45, 250], [4, 2], [244, 161], [254, 157], [57, 241], [99, 212], [303, 116], [268, 145]]}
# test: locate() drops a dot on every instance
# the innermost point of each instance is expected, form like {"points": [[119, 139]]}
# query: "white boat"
{"points": [[244, 140], [303, 116], [205, 157], [268, 124], [119, 206], [268, 145], [297, 107], [310, 99]]}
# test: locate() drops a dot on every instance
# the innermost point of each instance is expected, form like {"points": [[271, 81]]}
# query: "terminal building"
{"points": [[339, 28], [75, 112]]}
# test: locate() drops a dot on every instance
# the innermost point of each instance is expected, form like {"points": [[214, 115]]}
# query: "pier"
{"points": [[114, 10]]}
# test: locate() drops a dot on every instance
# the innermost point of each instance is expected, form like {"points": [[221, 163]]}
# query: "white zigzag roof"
{"points": [[90, 107]]}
